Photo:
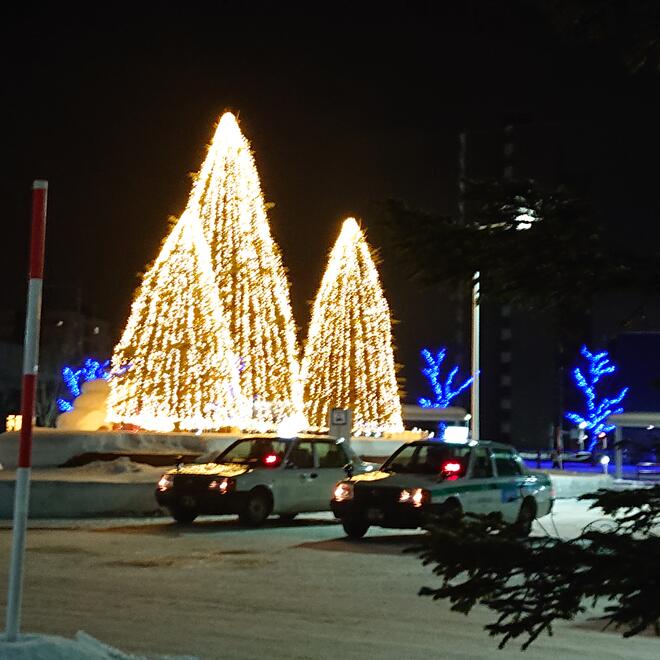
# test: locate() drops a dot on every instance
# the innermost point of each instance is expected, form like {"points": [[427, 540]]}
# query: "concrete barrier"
{"points": [[82, 499]]}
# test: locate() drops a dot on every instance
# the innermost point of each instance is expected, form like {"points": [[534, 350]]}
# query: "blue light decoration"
{"points": [[73, 379], [442, 390], [594, 420]]}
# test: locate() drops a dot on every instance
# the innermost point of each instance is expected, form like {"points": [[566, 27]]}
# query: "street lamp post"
{"points": [[475, 356]]}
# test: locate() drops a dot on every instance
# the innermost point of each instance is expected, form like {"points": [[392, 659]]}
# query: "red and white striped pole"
{"points": [[30, 371]]}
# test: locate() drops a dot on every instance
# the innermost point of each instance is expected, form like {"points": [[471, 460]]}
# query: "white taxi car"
{"points": [[425, 479], [258, 476]]}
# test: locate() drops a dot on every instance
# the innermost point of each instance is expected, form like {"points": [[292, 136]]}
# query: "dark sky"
{"points": [[345, 104]]}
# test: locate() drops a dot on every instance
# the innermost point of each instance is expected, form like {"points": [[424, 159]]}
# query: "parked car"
{"points": [[425, 480], [259, 476]]}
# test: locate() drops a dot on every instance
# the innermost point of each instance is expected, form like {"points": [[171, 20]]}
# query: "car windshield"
{"points": [[252, 451], [433, 458]]}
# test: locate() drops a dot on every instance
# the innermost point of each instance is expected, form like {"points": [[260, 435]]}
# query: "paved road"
{"points": [[297, 590]]}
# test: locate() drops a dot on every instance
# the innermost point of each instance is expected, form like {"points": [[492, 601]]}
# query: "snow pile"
{"points": [[121, 465], [82, 647], [89, 409]]}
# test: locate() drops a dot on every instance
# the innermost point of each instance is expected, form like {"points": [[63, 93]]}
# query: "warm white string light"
{"points": [[183, 372], [251, 280], [349, 360]]}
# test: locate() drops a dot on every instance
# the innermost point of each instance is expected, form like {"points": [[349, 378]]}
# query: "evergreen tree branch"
{"points": [[532, 583]]}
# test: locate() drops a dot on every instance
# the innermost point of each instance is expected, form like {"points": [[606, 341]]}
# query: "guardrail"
{"points": [[645, 470]]}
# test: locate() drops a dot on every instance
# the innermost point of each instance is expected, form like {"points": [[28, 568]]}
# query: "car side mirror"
{"points": [[348, 469]]}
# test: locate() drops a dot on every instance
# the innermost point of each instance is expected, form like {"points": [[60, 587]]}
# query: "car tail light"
{"points": [[451, 470], [272, 460], [451, 467]]}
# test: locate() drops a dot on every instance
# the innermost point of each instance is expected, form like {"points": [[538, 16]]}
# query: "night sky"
{"points": [[345, 104]]}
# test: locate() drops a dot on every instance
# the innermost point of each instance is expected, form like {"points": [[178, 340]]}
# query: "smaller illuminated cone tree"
{"points": [[183, 372], [349, 360]]}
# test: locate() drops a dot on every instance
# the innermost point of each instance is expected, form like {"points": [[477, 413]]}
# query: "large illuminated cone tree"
{"points": [[183, 372], [251, 280], [349, 360]]}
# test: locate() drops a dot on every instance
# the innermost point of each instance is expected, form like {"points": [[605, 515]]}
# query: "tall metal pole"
{"points": [[474, 401], [475, 329], [30, 371], [475, 356]]}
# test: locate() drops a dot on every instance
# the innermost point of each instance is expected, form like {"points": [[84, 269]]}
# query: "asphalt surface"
{"points": [[296, 590]]}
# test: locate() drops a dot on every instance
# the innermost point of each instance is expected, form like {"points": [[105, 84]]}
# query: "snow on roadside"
{"points": [[120, 465], [120, 470], [82, 647]]}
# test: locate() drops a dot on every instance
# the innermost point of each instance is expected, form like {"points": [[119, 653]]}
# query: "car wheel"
{"points": [[355, 528], [257, 508], [287, 517], [526, 517], [183, 515]]}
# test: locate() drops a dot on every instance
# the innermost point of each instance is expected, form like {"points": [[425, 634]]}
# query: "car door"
{"points": [[510, 476], [296, 482], [329, 459], [483, 493]]}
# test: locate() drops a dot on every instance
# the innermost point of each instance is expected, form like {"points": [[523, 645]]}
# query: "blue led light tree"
{"points": [[594, 420], [73, 379], [444, 391]]}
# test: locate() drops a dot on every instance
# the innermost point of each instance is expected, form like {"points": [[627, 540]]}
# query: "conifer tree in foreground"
{"points": [[349, 360]]}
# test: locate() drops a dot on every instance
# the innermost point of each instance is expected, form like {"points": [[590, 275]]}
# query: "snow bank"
{"points": [[574, 485], [121, 465], [53, 447], [82, 647]]}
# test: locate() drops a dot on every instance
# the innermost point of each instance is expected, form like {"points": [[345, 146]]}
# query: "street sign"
{"points": [[340, 421]]}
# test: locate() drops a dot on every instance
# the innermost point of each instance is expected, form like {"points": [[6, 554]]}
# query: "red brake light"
{"points": [[271, 459], [451, 467]]}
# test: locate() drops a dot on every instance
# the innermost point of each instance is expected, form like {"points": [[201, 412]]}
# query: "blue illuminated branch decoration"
{"points": [[442, 390], [594, 420], [90, 370]]}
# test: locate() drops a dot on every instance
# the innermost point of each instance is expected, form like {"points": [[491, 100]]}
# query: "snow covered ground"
{"points": [[52, 647], [298, 590]]}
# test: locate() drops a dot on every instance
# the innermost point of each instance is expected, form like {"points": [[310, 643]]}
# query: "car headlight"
{"points": [[343, 492], [415, 496], [223, 485], [166, 482]]}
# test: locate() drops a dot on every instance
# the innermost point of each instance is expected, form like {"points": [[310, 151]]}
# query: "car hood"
{"points": [[376, 475], [212, 469], [380, 478]]}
